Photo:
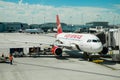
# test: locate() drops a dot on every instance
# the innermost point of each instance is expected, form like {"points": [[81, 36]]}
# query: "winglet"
{"points": [[59, 28]]}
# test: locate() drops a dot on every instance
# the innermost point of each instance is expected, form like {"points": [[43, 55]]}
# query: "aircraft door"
{"points": [[88, 45]]}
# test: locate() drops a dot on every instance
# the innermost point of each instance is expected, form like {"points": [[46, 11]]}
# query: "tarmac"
{"points": [[50, 67]]}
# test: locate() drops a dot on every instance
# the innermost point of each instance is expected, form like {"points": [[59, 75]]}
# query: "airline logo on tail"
{"points": [[59, 28]]}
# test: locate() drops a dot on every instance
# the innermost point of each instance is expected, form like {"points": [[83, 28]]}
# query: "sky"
{"points": [[69, 11]]}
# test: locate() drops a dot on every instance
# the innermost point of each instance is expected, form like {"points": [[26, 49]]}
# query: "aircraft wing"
{"points": [[45, 43], [72, 45]]}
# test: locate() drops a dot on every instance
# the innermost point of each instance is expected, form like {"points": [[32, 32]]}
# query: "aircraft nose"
{"points": [[97, 48]]}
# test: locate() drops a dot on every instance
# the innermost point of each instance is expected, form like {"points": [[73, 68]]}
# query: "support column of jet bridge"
{"points": [[116, 53]]}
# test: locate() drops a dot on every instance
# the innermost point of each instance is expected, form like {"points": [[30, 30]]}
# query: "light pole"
{"points": [[71, 22], [32, 19], [98, 16], [82, 18], [44, 19]]}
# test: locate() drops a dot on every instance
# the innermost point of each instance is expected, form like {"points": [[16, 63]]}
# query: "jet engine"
{"points": [[56, 50]]}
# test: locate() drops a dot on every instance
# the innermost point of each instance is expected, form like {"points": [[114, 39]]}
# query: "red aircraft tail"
{"points": [[59, 28]]}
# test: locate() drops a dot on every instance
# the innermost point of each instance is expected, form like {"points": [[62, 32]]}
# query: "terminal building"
{"points": [[52, 26], [94, 24], [12, 26], [16, 26]]}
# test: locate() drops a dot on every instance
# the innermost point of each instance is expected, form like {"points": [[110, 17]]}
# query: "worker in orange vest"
{"points": [[11, 59]]}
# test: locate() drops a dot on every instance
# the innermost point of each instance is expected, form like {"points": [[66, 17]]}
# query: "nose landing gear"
{"points": [[91, 57]]}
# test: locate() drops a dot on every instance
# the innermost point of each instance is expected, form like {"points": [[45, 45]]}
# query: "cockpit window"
{"points": [[89, 40], [98, 40], [94, 40]]}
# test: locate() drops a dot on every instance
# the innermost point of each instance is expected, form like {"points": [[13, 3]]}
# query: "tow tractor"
{"points": [[93, 57]]}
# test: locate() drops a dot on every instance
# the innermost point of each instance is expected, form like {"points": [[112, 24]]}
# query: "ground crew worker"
{"points": [[2, 55], [11, 59]]}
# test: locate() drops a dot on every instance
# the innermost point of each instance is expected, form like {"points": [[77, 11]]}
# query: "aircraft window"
{"points": [[98, 40], [89, 40], [94, 40]]}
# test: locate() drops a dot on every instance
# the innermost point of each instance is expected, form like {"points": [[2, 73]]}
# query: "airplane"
{"points": [[32, 31], [86, 42]]}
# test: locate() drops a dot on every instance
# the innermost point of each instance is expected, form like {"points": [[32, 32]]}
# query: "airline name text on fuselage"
{"points": [[74, 36]]}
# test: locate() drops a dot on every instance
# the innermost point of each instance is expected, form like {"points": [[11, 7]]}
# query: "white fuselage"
{"points": [[86, 42]]}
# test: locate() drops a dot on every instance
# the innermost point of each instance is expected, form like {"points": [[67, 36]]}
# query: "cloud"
{"points": [[117, 6], [20, 2], [37, 14]]}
